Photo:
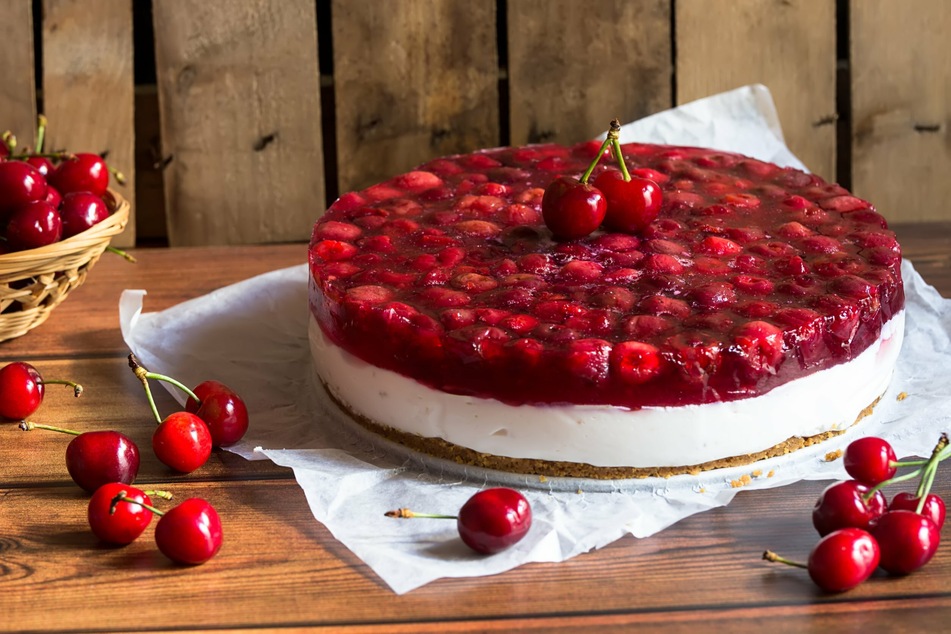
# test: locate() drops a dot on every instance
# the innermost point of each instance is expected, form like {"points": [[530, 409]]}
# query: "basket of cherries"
{"points": [[57, 216]]}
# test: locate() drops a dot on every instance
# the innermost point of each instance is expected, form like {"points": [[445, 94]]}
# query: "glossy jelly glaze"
{"points": [[752, 276]]}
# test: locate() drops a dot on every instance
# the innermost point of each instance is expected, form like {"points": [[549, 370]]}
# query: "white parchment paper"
{"points": [[253, 337]]}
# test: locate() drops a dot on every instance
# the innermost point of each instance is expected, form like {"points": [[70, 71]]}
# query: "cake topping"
{"points": [[750, 276]]}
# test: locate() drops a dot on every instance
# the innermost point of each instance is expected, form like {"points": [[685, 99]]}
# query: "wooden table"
{"points": [[279, 568]]}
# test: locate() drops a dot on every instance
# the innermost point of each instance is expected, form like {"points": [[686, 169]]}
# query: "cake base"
{"points": [[463, 456]]}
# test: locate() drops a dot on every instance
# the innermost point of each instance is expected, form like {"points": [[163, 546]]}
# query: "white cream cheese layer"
{"points": [[608, 436]]}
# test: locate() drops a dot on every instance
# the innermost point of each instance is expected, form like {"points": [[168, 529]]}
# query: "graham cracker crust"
{"points": [[440, 448]]}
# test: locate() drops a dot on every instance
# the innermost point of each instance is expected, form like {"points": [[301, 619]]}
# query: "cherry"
{"points": [[847, 504], [870, 460], [35, 224], [80, 211], [222, 410], [572, 208], [908, 540], [489, 522], [81, 173], [94, 458], [839, 561], [181, 440], [42, 164], [119, 522], [20, 184], [53, 197], [633, 203], [189, 533], [22, 390], [933, 507]]}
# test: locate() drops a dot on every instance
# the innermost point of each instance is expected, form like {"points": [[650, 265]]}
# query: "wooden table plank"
{"points": [[18, 88], [574, 66], [901, 107], [239, 99], [787, 46], [280, 568], [88, 85]]}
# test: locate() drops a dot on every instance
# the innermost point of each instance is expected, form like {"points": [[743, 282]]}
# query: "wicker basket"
{"points": [[34, 282]]}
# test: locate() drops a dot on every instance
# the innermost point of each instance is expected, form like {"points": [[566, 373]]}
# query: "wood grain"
{"points": [[413, 79], [279, 568], [88, 85], [239, 101], [17, 90], [901, 107], [787, 45], [574, 66]]}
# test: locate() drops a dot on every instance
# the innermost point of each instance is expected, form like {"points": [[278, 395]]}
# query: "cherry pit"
{"points": [[861, 531]]}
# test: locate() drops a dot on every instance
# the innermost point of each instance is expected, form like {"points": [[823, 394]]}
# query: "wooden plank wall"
{"points": [[259, 111]]}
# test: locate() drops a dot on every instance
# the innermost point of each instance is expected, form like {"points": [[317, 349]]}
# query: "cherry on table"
{"points": [[908, 541], [118, 521], [22, 389], [222, 410], [95, 458], [844, 505], [870, 460], [489, 522], [840, 561], [182, 441], [189, 533], [933, 508]]}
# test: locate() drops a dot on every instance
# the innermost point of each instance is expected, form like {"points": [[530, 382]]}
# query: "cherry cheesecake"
{"points": [[760, 312]]}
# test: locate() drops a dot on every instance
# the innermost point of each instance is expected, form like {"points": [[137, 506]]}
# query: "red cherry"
{"points": [[80, 211], [53, 197], [42, 164], [572, 209], [843, 559], [494, 519], [94, 458], [81, 173], [34, 225], [933, 508], [189, 533], [869, 460], [119, 522], [22, 390], [222, 410], [20, 184], [908, 541], [632, 205], [842, 505], [182, 441]]}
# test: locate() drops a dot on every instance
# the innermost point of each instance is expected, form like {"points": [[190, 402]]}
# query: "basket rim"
{"points": [[102, 231]]}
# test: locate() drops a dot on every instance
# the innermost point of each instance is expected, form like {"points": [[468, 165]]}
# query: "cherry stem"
{"points": [[10, 141], [144, 376], [614, 135], [165, 495], [878, 487], [41, 124], [30, 426], [594, 163], [940, 452], [77, 388], [408, 514], [120, 252], [907, 463], [121, 497], [119, 176], [769, 555]]}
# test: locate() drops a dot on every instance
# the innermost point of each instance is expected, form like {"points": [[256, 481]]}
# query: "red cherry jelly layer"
{"points": [[752, 276]]}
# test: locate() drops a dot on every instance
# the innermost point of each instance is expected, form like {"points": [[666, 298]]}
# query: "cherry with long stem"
{"points": [[182, 440]]}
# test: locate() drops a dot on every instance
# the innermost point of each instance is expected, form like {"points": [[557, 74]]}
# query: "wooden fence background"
{"points": [[236, 121]]}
